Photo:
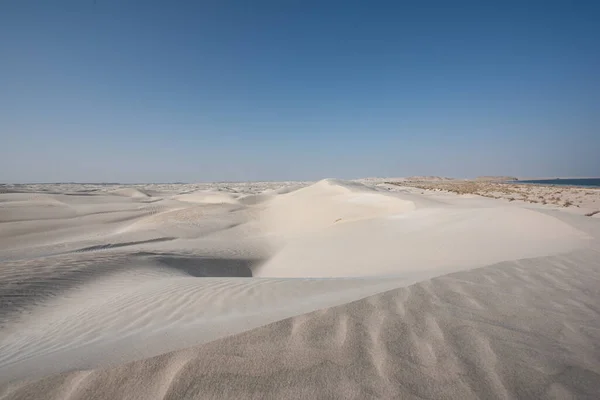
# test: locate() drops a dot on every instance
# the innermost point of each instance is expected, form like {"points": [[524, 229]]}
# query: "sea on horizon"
{"points": [[583, 182]]}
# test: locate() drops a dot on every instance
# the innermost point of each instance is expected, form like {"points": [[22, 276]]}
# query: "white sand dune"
{"points": [[526, 329], [208, 197], [131, 296], [254, 199], [81, 330], [427, 241], [31, 208], [131, 192], [327, 203]]}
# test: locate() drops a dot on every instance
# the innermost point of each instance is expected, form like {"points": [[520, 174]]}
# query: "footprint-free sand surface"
{"points": [[331, 289]]}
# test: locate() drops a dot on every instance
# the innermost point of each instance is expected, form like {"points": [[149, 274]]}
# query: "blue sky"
{"points": [[162, 91]]}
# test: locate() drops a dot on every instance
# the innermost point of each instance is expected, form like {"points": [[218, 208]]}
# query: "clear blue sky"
{"points": [[158, 91]]}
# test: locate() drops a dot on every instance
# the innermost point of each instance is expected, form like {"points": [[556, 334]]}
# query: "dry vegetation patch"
{"points": [[564, 197]]}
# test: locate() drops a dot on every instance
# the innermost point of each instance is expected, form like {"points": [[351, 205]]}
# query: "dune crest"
{"points": [[326, 203]]}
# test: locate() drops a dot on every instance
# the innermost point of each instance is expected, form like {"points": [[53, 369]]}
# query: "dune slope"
{"points": [[525, 329]]}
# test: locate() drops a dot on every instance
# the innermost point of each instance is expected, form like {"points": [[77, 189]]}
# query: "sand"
{"points": [[577, 200], [331, 289]]}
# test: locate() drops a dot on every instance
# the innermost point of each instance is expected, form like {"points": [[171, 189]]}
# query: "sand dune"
{"points": [[31, 208], [424, 242], [81, 330], [254, 199], [130, 192], [208, 197], [327, 203], [218, 291], [526, 329]]}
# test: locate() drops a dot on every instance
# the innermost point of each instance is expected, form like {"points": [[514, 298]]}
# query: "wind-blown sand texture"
{"points": [[293, 290]]}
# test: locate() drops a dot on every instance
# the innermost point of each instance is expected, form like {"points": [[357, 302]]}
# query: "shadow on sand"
{"points": [[207, 266]]}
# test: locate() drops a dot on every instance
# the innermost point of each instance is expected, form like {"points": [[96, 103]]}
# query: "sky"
{"points": [[195, 91]]}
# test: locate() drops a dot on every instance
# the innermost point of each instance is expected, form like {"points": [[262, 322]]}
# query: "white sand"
{"points": [[105, 278]]}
